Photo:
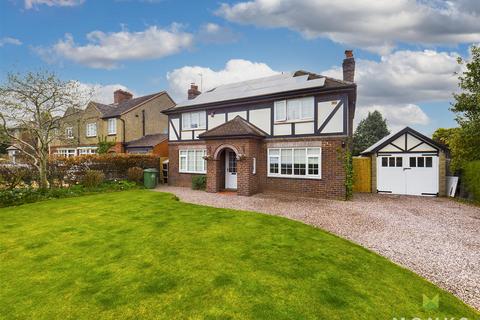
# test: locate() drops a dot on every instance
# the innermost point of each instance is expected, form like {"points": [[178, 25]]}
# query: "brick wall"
{"points": [[331, 184], [175, 178]]}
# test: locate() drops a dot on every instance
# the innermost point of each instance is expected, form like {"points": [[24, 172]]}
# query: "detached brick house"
{"points": [[281, 133], [135, 125]]}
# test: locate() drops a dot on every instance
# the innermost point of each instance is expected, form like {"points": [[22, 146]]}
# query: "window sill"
{"points": [[192, 172], [293, 121], [90, 136], [111, 134], [196, 129], [294, 177]]}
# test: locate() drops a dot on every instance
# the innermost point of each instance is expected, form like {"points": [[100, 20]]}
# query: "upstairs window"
{"points": [[301, 109], [69, 132], [91, 129], [112, 126], [194, 120]]}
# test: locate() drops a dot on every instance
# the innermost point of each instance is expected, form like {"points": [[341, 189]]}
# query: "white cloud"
{"points": [[235, 70], [102, 93], [397, 83], [375, 25], [397, 115], [106, 50], [213, 33], [29, 4], [9, 40]]}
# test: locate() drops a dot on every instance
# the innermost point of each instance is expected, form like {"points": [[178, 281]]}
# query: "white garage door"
{"points": [[408, 173]]}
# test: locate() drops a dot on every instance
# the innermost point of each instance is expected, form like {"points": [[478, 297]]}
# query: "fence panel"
{"points": [[362, 174]]}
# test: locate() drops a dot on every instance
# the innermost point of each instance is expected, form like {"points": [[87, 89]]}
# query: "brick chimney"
{"points": [[348, 66], [119, 96], [193, 91]]}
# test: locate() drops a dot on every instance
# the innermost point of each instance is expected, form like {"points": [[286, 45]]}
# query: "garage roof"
{"points": [[386, 140]]}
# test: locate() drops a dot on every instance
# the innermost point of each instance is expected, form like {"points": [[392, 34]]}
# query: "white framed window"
{"points": [[69, 132], [292, 110], [67, 153], [91, 129], [194, 120], [112, 126], [191, 161], [87, 150], [254, 166], [294, 162]]}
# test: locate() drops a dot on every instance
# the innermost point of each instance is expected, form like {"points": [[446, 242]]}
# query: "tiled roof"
{"points": [[113, 110], [150, 140], [234, 128], [284, 82]]}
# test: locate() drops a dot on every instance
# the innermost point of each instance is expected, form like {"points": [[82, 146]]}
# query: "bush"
{"points": [[92, 178], [19, 196], [114, 166], [199, 182], [135, 174], [14, 176], [471, 177]]}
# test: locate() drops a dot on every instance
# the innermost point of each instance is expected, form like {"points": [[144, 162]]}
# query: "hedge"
{"points": [[471, 177], [114, 166]]}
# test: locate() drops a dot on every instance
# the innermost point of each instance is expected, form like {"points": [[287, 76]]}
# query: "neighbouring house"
{"points": [[13, 153], [286, 133], [127, 122], [407, 162]]}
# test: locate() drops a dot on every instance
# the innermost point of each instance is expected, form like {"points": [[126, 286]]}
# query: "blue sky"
{"points": [[405, 51]]}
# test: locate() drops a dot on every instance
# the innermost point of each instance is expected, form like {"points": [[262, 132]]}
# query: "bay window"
{"points": [[301, 109], [294, 162], [194, 120], [191, 161]]}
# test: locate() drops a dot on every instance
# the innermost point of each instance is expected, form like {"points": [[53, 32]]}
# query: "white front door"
{"points": [[408, 173], [230, 170]]}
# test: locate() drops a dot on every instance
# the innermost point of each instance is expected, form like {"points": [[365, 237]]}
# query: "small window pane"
{"points": [[307, 108], [391, 162], [273, 164], [313, 165], [413, 162], [280, 110], [420, 162], [199, 160], [299, 166], [293, 109], [191, 160], [399, 161], [313, 151], [274, 152], [384, 162], [428, 162], [286, 161]]}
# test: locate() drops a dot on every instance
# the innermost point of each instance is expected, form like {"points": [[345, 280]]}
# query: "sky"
{"points": [[406, 50]]}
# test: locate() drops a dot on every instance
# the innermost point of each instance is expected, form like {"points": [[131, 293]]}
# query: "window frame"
{"points": [[109, 122], [186, 157], [66, 152], [202, 114], [303, 102], [308, 158], [88, 134], [83, 151], [69, 133]]}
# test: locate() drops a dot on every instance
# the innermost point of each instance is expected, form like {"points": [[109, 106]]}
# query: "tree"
{"points": [[464, 143], [4, 141], [369, 130], [33, 103]]}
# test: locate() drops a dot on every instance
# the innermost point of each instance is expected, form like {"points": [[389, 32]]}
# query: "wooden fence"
{"points": [[362, 174]]}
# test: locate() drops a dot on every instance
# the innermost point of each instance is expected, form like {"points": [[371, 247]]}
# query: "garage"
{"points": [[407, 162]]}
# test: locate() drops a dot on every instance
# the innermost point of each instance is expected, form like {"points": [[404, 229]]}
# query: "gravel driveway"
{"points": [[435, 237]]}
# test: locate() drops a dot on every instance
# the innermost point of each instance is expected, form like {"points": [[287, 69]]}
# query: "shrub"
{"points": [[92, 178], [199, 182], [471, 177], [135, 174], [114, 166], [20, 196], [13, 176]]}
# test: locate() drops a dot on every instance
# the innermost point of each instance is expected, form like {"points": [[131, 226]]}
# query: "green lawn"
{"points": [[144, 255]]}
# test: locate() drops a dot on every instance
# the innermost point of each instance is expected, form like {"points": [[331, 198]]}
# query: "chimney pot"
{"points": [[348, 66], [120, 95], [193, 92]]}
